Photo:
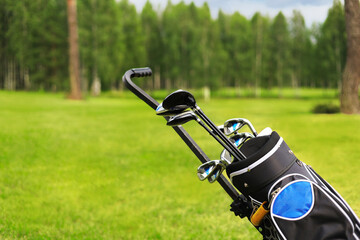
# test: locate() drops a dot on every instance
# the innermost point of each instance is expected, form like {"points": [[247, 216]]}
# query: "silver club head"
{"points": [[215, 174], [161, 111], [234, 124], [240, 138], [226, 156], [221, 128], [182, 118], [211, 170]]}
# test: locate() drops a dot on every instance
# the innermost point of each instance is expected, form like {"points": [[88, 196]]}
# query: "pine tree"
{"points": [[279, 49]]}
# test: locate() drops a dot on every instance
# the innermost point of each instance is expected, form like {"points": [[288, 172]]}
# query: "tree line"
{"points": [[183, 44]]}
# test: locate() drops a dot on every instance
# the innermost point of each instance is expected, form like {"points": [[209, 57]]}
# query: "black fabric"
{"points": [[254, 181], [261, 174], [253, 145], [261, 147], [326, 221]]}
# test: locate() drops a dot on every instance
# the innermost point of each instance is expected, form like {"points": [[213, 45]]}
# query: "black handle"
{"points": [[139, 72], [144, 72]]}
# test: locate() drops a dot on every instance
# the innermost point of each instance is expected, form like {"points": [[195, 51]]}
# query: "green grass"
{"points": [[108, 168]]}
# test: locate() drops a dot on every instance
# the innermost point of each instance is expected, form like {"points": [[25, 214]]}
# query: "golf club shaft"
{"points": [[214, 136], [141, 94], [228, 144]]}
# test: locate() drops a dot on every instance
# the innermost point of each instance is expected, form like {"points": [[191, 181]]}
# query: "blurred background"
{"points": [[106, 167], [185, 44]]}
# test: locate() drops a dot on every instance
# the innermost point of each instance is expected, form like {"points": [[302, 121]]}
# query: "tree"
{"points": [[279, 51], [351, 77], [331, 47], [239, 50], [101, 44], [133, 37], [74, 63], [153, 43], [298, 41], [258, 31]]}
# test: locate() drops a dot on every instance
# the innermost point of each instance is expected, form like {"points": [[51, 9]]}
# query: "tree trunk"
{"points": [[351, 77], [10, 75], [96, 83], [74, 65], [157, 79], [258, 57]]}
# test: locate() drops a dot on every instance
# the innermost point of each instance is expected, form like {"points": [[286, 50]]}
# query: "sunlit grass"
{"points": [[109, 168]]}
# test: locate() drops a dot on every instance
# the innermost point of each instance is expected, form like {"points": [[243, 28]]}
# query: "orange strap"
{"points": [[258, 215]]}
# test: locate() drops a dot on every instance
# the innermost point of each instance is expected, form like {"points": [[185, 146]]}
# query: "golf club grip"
{"points": [[142, 72], [139, 72]]}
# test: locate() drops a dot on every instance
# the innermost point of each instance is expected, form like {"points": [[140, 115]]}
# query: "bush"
{"points": [[328, 108]]}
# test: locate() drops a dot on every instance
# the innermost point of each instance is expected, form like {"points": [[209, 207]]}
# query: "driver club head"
{"points": [[179, 99], [161, 111], [182, 118], [234, 124]]}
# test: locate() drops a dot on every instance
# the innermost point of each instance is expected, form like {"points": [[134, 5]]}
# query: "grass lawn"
{"points": [[109, 168]]}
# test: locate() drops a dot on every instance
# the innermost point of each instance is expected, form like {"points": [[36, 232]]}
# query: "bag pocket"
{"points": [[304, 210]]}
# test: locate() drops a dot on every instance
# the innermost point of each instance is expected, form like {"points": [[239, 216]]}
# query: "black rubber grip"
{"points": [[142, 72]]}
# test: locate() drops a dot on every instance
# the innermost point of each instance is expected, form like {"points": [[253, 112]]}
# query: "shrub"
{"points": [[328, 108]]}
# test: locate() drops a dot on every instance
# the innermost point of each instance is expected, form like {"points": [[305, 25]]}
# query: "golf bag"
{"points": [[289, 200], [281, 196]]}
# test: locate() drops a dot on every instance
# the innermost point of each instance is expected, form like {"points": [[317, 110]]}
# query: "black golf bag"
{"points": [[289, 200], [282, 197]]}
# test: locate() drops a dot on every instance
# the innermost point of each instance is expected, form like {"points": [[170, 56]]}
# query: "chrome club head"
{"points": [[182, 118], [215, 174], [179, 99], [226, 156], [233, 125], [211, 170], [240, 138], [221, 128], [161, 111]]}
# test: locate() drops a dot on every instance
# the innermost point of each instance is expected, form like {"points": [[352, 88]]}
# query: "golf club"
{"points": [[187, 116], [234, 124], [184, 99], [182, 118], [221, 128], [161, 111], [211, 170], [226, 156], [240, 138]]}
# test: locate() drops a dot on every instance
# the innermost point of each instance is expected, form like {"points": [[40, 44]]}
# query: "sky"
{"points": [[314, 11]]}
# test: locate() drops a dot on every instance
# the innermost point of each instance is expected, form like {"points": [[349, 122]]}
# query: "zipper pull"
{"points": [[276, 191]]}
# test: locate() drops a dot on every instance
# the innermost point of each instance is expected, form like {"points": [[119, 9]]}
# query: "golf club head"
{"points": [[240, 138], [179, 99], [226, 156], [181, 118], [221, 128], [215, 174], [234, 124], [161, 111], [207, 169]]}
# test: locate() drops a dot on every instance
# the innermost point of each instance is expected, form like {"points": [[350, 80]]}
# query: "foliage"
{"points": [[326, 108], [183, 44]]}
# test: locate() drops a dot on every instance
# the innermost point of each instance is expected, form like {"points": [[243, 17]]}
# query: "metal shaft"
{"points": [[228, 144]]}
